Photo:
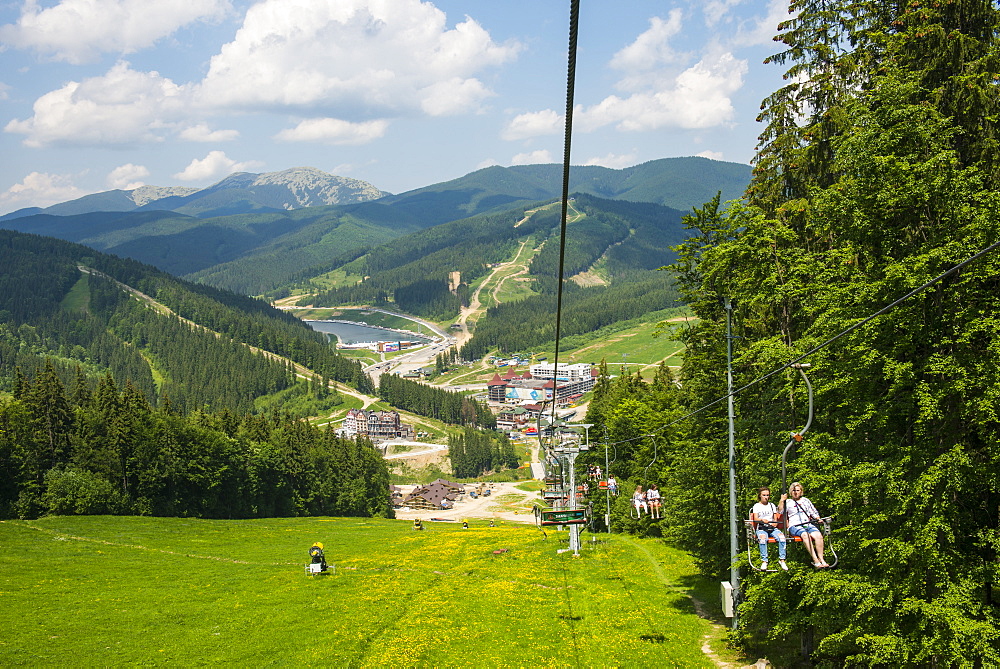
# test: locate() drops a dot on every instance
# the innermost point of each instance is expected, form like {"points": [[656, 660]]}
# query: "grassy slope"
{"points": [[183, 591]]}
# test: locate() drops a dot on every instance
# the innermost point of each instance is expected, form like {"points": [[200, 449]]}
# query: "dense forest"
{"points": [[584, 310], [627, 237], [445, 405], [414, 270], [101, 449], [878, 172], [475, 452], [50, 309]]}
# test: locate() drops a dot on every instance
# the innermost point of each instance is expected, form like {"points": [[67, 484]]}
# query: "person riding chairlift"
{"points": [[801, 514], [765, 516], [653, 497], [639, 501]]}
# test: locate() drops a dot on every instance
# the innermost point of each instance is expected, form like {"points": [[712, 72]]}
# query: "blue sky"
{"points": [[102, 94]]}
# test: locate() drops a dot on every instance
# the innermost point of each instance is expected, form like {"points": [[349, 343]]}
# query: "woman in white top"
{"points": [[765, 516], [801, 514], [639, 500]]}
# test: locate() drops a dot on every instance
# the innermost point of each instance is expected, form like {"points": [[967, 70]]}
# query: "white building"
{"points": [[578, 372]]}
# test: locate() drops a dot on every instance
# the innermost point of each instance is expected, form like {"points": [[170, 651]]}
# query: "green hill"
{"points": [[626, 240], [249, 253], [678, 183], [84, 322]]}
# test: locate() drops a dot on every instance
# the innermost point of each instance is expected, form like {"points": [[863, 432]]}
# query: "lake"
{"points": [[353, 333]]}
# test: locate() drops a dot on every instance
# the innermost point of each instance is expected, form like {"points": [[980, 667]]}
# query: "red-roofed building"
{"points": [[496, 389]]}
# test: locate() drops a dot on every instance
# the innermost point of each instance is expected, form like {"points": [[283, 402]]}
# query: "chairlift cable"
{"points": [[574, 25]]}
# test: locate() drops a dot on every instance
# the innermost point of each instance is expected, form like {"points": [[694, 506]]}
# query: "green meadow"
{"points": [[107, 591]]}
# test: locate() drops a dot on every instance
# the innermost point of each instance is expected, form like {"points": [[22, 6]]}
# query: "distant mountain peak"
{"points": [[299, 187]]}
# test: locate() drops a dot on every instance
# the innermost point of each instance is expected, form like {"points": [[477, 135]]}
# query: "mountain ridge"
{"points": [[292, 188], [231, 237]]}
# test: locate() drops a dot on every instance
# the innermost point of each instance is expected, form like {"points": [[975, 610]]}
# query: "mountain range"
{"points": [[239, 193], [255, 233]]}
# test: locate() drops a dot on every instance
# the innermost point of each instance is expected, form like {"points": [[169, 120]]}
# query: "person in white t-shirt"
{"points": [[639, 500], [801, 514], [765, 516]]}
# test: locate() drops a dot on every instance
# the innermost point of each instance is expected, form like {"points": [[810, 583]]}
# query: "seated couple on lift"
{"points": [[800, 515]]}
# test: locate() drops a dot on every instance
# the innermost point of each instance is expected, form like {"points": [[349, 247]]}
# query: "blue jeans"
{"points": [[762, 536]]}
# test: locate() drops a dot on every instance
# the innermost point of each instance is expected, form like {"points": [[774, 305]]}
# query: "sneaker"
{"points": [[783, 565], [763, 566]]}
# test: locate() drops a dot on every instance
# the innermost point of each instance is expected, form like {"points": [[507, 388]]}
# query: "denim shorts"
{"points": [[799, 530]]}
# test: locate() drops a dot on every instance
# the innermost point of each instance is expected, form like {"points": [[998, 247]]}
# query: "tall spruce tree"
{"points": [[877, 172]]}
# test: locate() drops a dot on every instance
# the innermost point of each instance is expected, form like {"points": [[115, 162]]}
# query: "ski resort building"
{"points": [[537, 385], [376, 425]]}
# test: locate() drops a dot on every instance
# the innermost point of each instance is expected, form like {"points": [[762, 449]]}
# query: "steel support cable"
{"points": [[824, 344], [574, 25]]}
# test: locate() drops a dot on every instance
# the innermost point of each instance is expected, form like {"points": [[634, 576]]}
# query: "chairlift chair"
{"points": [[826, 522], [753, 555]]}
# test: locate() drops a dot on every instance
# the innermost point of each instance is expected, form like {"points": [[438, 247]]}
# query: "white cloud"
{"points": [[3, 91], [712, 155], [715, 10], [334, 131], [353, 58], [350, 59], [78, 31], [532, 158], [127, 176], [650, 62], [202, 133], [534, 124], [652, 48], [613, 161], [40, 189], [760, 31], [698, 97], [121, 107], [213, 166], [454, 96], [658, 92]]}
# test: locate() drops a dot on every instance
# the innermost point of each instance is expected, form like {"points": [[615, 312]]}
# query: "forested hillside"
{"points": [[103, 449], [50, 309], [248, 253], [413, 271], [878, 173], [110, 405], [627, 238], [678, 183], [520, 326]]}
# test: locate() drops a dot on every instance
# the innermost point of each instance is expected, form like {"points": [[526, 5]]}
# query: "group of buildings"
{"points": [[440, 494], [542, 384]]}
